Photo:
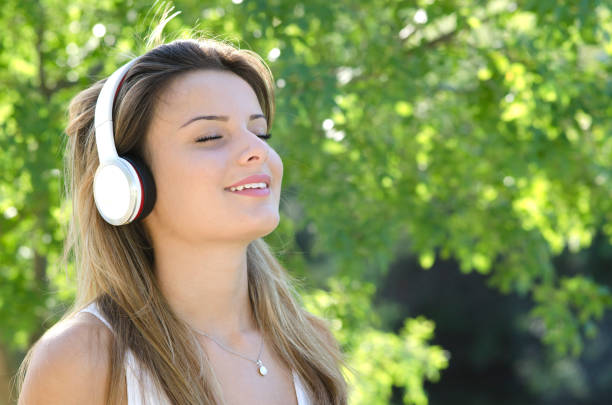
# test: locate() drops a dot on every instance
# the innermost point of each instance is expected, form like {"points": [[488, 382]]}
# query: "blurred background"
{"points": [[447, 195]]}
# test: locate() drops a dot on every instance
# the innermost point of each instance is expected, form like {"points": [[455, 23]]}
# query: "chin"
{"points": [[266, 228]]}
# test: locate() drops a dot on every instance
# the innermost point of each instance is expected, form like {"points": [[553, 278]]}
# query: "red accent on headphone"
{"points": [[119, 88]]}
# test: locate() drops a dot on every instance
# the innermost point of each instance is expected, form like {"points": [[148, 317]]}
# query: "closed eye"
{"points": [[207, 138]]}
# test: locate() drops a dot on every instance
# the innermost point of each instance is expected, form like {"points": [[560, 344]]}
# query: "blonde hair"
{"points": [[115, 264]]}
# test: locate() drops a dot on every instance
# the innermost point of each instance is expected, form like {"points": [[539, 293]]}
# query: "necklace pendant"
{"points": [[262, 369]]}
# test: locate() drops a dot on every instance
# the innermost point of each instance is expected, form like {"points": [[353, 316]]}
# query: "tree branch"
{"points": [[40, 30], [445, 37]]}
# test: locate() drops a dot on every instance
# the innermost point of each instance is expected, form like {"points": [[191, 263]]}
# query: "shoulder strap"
{"points": [[300, 393], [140, 387], [93, 309]]}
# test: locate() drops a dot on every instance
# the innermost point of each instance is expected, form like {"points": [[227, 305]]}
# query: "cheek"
{"points": [[276, 165], [280, 163], [187, 179]]}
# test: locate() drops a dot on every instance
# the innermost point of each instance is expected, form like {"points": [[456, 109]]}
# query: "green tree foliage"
{"points": [[382, 359], [477, 130]]}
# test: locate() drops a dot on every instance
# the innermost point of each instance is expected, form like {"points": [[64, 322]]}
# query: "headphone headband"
{"points": [[103, 121]]}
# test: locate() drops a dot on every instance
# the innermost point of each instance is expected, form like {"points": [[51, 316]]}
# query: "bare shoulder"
{"points": [[70, 364]]}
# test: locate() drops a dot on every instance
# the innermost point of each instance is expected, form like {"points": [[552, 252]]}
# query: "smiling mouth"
{"points": [[253, 181], [248, 191], [253, 186]]}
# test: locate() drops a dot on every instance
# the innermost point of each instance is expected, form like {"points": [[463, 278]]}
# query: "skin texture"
{"points": [[200, 234]]}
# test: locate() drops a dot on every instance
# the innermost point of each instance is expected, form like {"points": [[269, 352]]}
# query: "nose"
{"points": [[257, 149]]}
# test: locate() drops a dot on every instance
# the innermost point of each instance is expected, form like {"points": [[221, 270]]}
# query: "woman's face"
{"points": [[191, 176]]}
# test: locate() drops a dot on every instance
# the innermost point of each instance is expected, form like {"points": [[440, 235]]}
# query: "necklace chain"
{"points": [[262, 368]]}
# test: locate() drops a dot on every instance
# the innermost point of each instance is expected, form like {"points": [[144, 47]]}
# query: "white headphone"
{"points": [[123, 186]]}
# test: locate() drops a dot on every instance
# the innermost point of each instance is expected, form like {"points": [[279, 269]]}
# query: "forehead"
{"points": [[207, 91]]}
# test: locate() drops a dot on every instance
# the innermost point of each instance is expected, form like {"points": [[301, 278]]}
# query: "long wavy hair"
{"points": [[114, 264]]}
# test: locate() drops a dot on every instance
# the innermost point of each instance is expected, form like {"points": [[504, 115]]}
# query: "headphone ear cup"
{"points": [[149, 192]]}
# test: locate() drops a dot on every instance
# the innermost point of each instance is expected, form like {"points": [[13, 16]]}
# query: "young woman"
{"points": [[181, 302]]}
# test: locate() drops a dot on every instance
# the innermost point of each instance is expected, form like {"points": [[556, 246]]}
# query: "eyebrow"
{"points": [[218, 118]]}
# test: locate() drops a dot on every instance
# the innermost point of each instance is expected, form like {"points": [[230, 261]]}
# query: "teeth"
{"points": [[250, 185]]}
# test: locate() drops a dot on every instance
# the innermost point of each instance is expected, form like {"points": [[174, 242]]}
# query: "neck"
{"points": [[207, 286]]}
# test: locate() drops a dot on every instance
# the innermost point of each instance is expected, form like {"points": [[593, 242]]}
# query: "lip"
{"points": [[256, 178]]}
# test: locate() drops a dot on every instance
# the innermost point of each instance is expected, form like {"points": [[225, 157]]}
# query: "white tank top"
{"points": [[140, 387]]}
